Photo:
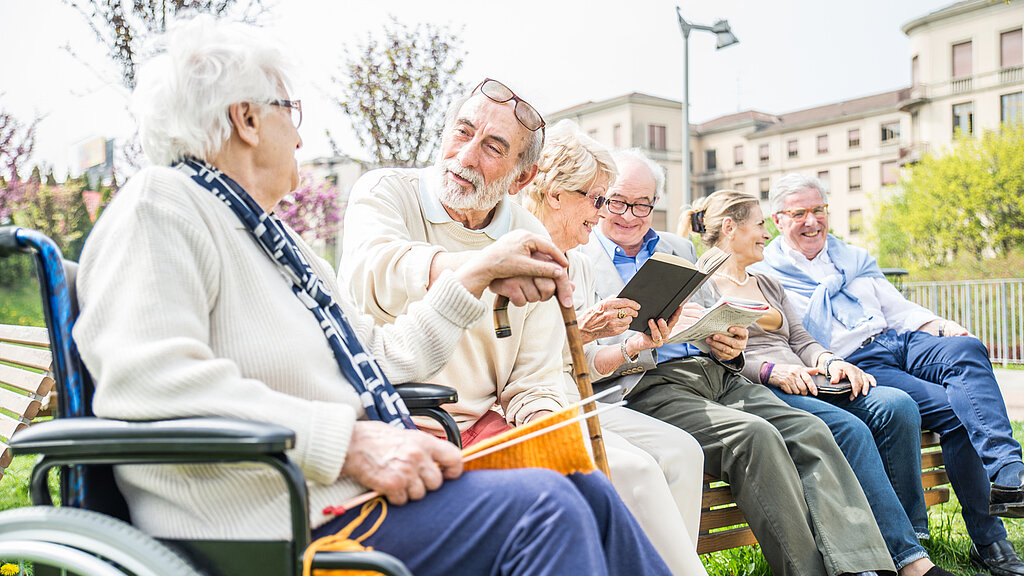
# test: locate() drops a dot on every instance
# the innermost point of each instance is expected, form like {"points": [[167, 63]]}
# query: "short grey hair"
{"points": [[530, 154], [791, 184], [656, 169], [198, 69]]}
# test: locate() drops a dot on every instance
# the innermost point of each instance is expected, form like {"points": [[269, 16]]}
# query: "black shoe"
{"points": [[998, 558], [1006, 501]]}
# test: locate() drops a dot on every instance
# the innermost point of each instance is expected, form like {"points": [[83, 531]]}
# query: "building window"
{"points": [[764, 185], [963, 119], [824, 177], [961, 60], [1010, 53], [856, 221], [853, 138], [890, 132], [854, 178], [710, 160], [709, 189], [738, 186], [762, 153], [1010, 106], [592, 133], [890, 173], [915, 71], [737, 156], [822, 143], [617, 135], [793, 148], [656, 136]]}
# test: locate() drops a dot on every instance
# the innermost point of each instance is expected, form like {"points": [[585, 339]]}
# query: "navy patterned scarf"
{"points": [[378, 396]]}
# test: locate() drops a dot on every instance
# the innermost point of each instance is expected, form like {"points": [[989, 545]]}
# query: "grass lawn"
{"points": [[21, 305]]}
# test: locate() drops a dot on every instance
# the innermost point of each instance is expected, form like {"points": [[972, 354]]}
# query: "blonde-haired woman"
{"points": [[877, 432], [655, 467]]}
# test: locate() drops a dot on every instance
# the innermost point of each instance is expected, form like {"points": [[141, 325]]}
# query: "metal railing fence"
{"points": [[992, 310]]}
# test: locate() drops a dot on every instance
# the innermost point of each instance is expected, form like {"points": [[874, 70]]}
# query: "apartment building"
{"points": [[966, 76]]}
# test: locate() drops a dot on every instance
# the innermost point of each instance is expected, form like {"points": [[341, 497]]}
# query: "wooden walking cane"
{"points": [[503, 329]]}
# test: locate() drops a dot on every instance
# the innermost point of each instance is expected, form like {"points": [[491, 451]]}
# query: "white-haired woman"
{"points": [[656, 467], [876, 428], [196, 300]]}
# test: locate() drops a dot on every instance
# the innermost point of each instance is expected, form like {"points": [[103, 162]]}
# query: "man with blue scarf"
{"points": [[849, 306]]}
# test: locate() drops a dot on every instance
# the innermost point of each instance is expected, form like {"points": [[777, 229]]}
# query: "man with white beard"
{"points": [[404, 227]]}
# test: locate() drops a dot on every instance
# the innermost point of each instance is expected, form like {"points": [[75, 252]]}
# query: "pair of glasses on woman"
{"points": [[618, 206], [498, 92], [296, 109]]}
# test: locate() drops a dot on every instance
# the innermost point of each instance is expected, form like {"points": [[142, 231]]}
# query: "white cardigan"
{"points": [[184, 315]]}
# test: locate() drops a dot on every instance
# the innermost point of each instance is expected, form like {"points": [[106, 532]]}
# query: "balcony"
{"points": [[1011, 75], [961, 85], [912, 154]]}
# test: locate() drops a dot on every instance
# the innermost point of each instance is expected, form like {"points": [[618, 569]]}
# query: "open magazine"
{"points": [[728, 311]]}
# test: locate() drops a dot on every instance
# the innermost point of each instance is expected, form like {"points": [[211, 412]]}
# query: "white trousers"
{"points": [[657, 470]]}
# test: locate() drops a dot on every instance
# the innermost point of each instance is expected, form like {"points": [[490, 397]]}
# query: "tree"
{"points": [[312, 209], [17, 141], [396, 90], [123, 27], [967, 203]]}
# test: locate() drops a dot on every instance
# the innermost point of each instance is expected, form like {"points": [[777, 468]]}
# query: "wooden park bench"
{"points": [[26, 381], [722, 525]]}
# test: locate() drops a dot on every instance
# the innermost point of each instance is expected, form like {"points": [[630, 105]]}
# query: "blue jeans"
{"points": [[525, 521], [880, 436], [956, 392]]}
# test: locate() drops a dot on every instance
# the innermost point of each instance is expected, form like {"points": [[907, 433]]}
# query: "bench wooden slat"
{"points": [[5, 458], [718, 496], [35, 382], [929, 439], [931, 460], [19, 403], [8, 426], [936, 495], [932, 478], [721, 517], [725, 539], [32, 357], [30, 335]]}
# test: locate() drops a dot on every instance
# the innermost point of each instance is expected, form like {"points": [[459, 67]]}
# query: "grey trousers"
{"points": [[787, 474]]}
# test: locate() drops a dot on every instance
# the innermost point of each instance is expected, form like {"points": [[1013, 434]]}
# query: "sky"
{"points": [[792, 54]]}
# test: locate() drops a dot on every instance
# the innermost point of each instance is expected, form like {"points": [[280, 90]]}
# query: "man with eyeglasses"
{"points": [[849, 306], [785, 470]]}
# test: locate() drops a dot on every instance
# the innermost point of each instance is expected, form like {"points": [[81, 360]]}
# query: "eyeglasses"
{"points": [[296, 109], [598, 201], [639, 210], [498, 92], [800, 214]]}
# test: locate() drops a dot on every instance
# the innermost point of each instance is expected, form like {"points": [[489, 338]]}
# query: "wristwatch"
{"points": [[828, 363]]}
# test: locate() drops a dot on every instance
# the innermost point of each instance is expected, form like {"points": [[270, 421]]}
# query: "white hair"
{"points": [[791, 184], [656, 169], [200, 68]]}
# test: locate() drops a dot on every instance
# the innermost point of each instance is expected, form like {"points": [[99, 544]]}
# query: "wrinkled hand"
{"points": [[861, 382], [948, 327], [794, 379], [520, 265], [728, 346], [660, 331], [602, 320], [401, 464]]}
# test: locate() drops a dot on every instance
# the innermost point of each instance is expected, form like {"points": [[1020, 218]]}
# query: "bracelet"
{"points": [[766, 372], [829, 363], [625, 355]]}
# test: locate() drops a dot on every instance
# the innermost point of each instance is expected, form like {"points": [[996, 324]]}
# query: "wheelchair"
{"points": [[90, 533]]}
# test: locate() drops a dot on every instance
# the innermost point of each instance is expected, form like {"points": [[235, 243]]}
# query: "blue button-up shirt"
{"points": [[627, 267]]}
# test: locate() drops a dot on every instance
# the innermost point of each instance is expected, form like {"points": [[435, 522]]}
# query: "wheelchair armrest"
{"points": [[115, 439], [363, 560], [418, 395]]}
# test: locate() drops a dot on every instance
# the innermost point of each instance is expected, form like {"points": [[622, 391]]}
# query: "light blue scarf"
{"points": [[828, 296]]}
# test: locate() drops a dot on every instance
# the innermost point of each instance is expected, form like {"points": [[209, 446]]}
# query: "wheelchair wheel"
{"points": [[112, 540]]}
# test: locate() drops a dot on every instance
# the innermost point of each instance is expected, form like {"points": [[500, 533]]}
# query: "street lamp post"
{"points": [[725, 38]]}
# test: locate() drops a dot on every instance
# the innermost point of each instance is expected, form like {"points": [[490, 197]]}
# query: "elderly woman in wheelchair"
{"points": [[197, 301]]}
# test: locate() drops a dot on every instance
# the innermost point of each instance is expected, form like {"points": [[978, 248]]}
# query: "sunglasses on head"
{"points": [[498, 92]]}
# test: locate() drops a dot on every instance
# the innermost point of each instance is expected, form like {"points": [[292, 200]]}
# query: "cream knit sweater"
{"points": [[388, 248], [184, 315]]}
